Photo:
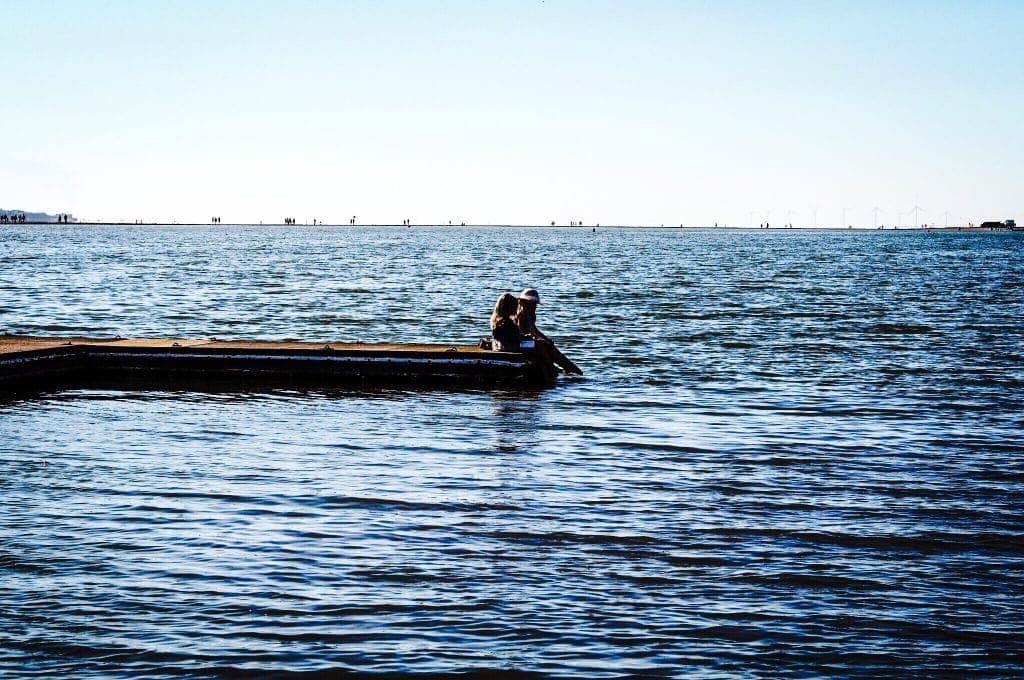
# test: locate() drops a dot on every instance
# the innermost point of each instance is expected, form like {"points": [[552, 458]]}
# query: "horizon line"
{"points": [[925, 227]]}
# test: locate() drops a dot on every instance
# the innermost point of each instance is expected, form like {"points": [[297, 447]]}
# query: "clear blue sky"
{"points": [[524, 112]]}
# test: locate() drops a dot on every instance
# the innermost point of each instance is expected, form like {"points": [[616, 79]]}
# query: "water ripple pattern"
{"points": [[793, 454]]}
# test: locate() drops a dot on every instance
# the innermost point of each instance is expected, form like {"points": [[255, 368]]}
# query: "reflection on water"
{"points": [[792, 454], [516, 420]]}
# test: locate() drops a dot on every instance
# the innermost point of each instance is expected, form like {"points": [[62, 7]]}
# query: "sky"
{"points": [[478, 111]]}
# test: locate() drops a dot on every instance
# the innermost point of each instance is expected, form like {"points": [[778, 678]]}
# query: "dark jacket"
{"points": [[506, 336]]}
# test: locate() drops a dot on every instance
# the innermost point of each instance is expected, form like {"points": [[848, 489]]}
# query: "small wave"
{"points": [[698, 561], [60, 328], [16, 564], [817, 582], [660, 447], [900, 329], [561, 537], [925, 543], [414, 506]]}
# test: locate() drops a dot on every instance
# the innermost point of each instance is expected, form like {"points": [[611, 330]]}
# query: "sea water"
{"points": [[793, 453]]}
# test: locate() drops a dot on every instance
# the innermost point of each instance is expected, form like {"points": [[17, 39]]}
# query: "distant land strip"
{"points": [[110, 223], [30, 217]]}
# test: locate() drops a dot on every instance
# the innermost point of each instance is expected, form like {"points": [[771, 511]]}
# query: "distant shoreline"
{"points": [[507, 226]]}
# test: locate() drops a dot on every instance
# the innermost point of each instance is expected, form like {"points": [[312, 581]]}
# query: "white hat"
{"points": [[530, 295]]}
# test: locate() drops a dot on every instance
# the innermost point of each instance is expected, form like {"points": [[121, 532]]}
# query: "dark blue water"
{"points": [[793, 454]]}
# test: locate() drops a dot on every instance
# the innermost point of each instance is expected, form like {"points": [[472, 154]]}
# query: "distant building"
{"points": [[992, 225], [1010, 224]]}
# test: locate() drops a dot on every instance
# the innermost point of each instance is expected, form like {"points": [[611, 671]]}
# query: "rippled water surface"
{"points": [[793, 453]]}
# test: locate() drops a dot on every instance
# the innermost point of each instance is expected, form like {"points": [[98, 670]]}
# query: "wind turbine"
{"points": [[946, 215], [843, 224], [915, 209], [876, 210], [789, 216]]}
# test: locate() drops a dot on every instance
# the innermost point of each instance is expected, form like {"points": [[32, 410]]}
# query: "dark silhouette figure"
{"points": [[526, 320]]}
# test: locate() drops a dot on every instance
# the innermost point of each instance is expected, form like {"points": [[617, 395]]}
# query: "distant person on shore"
{"points": [[526, 321], [504, 331]]}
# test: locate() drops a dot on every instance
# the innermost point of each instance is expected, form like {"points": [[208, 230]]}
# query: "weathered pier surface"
{"points": [[28, 362]]}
